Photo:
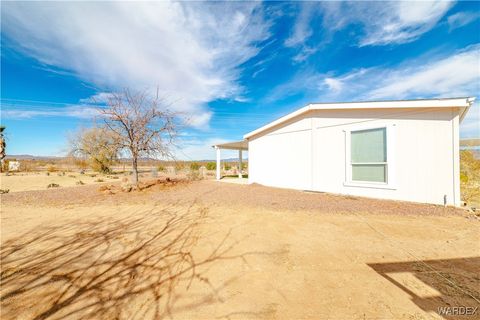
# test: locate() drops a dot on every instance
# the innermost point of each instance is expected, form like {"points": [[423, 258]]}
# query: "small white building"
{"points": [[401, 150]]}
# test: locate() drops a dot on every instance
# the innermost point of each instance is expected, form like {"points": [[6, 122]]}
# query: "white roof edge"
{"points": [[470, 101], [465, 103]]}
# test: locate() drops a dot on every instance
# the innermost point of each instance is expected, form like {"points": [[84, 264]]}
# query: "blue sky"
{"points": [[232, 66]]}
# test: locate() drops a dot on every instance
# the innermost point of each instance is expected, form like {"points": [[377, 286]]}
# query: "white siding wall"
{"points": [[309, 153], [282, 158]]}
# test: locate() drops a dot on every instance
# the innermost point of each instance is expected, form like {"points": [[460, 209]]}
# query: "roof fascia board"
{"points": [[430, 103]]}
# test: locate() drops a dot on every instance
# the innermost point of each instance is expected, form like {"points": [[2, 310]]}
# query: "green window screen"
{"points": [[369, 172], [369, 146], [369, 155]]}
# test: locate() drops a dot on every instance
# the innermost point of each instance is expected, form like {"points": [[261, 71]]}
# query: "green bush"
{"points": [[194, 166], [227, 166], [211, 166]]}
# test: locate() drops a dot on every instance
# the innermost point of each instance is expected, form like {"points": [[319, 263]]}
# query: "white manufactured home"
{"points": [[401, 150]]}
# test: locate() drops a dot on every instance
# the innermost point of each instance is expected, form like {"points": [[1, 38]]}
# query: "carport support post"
{"points": [[240, 164], [218, 162]]}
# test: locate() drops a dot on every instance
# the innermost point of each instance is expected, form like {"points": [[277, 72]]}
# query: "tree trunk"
{"points": [[135, 171]]}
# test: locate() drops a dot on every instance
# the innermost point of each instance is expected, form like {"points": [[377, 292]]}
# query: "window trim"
{"points": [[390, 163]]}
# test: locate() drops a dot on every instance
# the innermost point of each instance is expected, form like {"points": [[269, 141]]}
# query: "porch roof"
{"points": [[234, 145]]}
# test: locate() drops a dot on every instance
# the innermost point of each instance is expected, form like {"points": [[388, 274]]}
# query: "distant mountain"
{"points": [[474, 142], [223, 160], [31, 157]]}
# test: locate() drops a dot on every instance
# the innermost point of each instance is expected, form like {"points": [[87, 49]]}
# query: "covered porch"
{"points": [[240, 146]]}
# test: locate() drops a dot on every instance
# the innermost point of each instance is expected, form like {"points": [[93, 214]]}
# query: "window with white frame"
{"points": [[368, 153]]}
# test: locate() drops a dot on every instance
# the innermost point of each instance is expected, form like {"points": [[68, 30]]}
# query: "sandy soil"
{"points": [[40, 180], [207, 250]]}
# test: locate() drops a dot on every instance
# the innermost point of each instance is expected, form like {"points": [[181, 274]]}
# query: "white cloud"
{"points": [[380, 23], [191, 51], [456, 75], [402, 21], [334, 85], [99, 98], [76, 111], [461, 19], [302, 29]]}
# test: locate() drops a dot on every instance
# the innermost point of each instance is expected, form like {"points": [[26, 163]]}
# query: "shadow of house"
{"points": [[145, 265], [444, 283]]}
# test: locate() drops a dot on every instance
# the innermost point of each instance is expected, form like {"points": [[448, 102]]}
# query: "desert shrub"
{"points": [[5, 165], [26, 166], [194, 166], [52, 168], [161, 168], [80, 183], [194, 175], [99, 166], [2, 191], [81, 164], [179, 166], [99, 180], [53, 185], [469, 177], [227, 166], [211, 166]]}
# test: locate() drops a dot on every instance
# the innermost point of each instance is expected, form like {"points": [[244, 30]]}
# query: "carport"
{"points": [[235, 145]]}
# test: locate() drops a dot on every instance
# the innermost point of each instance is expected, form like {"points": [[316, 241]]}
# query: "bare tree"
{"points": [[98, 145], [144, 125]]}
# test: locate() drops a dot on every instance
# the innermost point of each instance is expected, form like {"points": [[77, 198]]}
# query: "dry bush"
{"points": [[211, 166], [52, 168], [194, 166], [81, 164], [27, 166], [470, 178], [194, 175], [98, 145], [179, 166]]}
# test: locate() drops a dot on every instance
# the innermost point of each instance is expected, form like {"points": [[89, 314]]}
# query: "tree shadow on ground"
{"points": [[137, 266], [445, 283]]}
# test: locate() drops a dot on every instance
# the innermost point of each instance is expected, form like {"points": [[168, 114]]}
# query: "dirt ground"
{"points": [[40, 180], [209, 250]]}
